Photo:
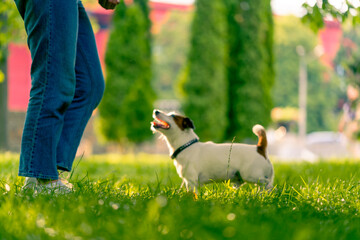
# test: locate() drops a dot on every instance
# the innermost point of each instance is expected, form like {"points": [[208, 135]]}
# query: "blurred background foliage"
{"points": [[347, 61], [228, 63], [318, 11], [11, 29], [170, 47], [323, 94]]}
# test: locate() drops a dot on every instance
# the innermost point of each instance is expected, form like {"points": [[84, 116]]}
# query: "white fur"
{"points": [[257, 129], [205, 162]]}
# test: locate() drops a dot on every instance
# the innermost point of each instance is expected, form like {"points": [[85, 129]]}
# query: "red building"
{"points": [[330, 39]]}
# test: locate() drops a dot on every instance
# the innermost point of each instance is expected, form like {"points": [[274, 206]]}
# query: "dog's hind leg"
{"points": [[269, 187], [237, 180], [266, 184], [237, 184]]}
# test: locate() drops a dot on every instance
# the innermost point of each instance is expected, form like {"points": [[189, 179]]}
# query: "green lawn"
{"points": [[137, 197]]}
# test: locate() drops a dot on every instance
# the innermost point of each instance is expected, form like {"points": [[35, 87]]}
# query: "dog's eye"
{"points": [[172, 115]]}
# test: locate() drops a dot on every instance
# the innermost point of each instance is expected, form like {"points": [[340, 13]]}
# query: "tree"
{"points": [[347, 61], [204, 83], [316, 13], [250, 65], [125, 111], [322, 95]]}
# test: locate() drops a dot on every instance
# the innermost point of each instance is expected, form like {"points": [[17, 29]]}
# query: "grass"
{"points": [[138, 197]]}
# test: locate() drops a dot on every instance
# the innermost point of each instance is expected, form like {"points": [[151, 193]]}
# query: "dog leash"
{"points": [[183, 147]]}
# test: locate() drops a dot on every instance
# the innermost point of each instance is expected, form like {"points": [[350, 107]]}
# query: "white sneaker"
{"points": [[29, 183], [56, 186]]}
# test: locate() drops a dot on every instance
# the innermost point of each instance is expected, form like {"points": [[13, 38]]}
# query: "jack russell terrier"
{"points": [[198, 163]]}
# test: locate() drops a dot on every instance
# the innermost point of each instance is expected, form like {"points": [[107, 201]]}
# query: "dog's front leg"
{"points": [[192, 189], [192, 186], [182, 185]]}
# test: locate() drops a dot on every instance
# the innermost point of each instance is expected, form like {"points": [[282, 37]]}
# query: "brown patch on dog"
{"points": [[183, 122], [262, 144]]}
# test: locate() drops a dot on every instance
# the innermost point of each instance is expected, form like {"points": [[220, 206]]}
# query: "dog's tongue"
{"points": [[155, 124], [160, 124]]}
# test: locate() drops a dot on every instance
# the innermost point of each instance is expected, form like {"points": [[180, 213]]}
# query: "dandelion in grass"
{"points": [[40, 222], [115, 206], [231, 216], [162, 201], [7, 187]]}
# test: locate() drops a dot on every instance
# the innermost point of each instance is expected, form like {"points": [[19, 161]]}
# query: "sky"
{"points": [[280, 7], [286, 7]]}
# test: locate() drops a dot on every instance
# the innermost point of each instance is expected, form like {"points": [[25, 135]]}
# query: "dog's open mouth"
{"points": [[158, 123]]}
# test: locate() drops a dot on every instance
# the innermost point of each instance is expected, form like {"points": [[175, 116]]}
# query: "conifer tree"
{"points": [[125, 111], [250, 65], [204, 83]]}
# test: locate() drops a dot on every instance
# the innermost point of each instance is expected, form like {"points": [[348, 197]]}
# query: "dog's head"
{"points": [[170, 123]]}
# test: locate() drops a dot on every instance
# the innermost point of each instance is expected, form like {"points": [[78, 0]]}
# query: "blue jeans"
{"points": [[66, 84]]}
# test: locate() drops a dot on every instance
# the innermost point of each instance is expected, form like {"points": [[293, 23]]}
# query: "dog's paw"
{"points": [[192, 195]]}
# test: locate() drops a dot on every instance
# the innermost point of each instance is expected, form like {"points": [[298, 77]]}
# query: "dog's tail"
{"points": [[262, 143]]}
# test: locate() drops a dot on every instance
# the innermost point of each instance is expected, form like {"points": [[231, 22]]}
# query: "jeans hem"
{"points": [[37, 175], [62, 168]]}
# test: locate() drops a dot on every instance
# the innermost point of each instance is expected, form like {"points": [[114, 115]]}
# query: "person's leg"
{"points": [[89, 90], [52, 28]]}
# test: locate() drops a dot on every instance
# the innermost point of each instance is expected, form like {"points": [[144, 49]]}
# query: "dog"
{"points": [[198, 163]]}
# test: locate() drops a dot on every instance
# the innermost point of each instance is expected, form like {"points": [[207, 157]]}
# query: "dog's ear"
{"points": [[183, 122], [188, 123]]}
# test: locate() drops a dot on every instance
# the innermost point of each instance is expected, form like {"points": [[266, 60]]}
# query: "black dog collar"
{"points": [[183, 147]]}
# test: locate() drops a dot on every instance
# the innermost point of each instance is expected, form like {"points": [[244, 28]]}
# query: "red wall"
{"points": [[19, 82], [330, 39]]}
